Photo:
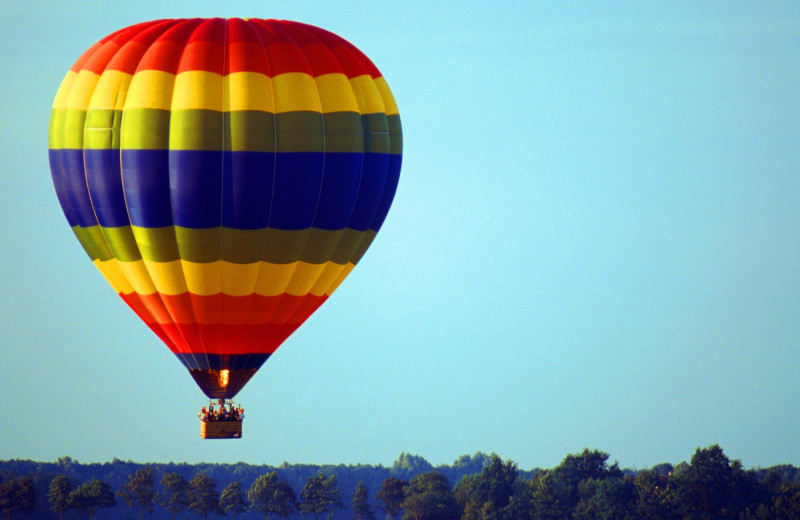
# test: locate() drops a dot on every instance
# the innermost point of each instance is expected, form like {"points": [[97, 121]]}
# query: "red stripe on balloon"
{"points": [[223, 309], [168, 334]]}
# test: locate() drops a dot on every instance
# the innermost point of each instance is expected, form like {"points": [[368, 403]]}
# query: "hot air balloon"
{"points": [[224, 176]]}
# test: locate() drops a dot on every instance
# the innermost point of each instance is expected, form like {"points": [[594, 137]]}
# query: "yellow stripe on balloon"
{"points": [[303, 278], [336, 93], [202, 278], [111, 90], [63, 89], [327, 278], [262, 278], [248, 91], [80, 91], [206, 279], [197, 89], [110, 269], [240, 279], [295, 91], [339, 279], [167, 277], [138, 277], [367, 94], [150, 89], [273, 278], [387, 96]]}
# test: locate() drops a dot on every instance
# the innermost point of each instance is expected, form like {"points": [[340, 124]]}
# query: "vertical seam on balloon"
{"points": [[364, 151], [251, 296], [299, 310], [83, 154], [270, 75], [190, 347], [179, 331], [225, 116], [200, 336], [388, 166], [103, 232], [122, 180], [366, 237], [174, 230], [291, 37]]}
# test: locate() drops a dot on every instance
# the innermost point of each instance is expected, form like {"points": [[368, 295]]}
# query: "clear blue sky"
{"points": [[595, 243]]}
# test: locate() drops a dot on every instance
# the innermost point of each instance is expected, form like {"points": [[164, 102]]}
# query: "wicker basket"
{"points": [[221, 429]]}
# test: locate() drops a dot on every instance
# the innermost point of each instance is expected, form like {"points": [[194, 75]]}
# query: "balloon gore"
{"points": [[224, 176]]}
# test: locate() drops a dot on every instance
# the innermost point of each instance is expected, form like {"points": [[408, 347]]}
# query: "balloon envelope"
{"points": [[224, 176]]}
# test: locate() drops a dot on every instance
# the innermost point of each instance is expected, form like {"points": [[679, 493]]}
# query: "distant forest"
{"points": [[584, 486]]}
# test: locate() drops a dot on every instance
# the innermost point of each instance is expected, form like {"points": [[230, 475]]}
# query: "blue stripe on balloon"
{"points": [[298, 177], [389, 189], [195, 186], [247, 189], [340, 182], [254, 190], [66, 168], [104, 180], [370, 190], [204, 361], [145, 179]]}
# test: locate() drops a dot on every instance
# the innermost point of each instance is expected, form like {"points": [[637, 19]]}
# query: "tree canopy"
{"points": [[58, 494], [139, 491], [17, 495], [362, 510], [429, 497], [92, 496], [174, 498], [232, 499], [202, 495], [320, 495], [270, 494], [584, 486]]}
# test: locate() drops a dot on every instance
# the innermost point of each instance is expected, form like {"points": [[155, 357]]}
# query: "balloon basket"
{"points": [[224, 422], [221, 429]]}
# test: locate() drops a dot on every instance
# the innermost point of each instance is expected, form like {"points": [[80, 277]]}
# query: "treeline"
{"points": [[585, 486]]}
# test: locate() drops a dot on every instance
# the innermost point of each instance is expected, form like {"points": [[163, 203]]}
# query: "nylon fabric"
{"points": [[225, 176]]}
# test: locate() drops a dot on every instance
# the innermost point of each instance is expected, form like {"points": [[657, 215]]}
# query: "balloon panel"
{"points": [[224, 176]]}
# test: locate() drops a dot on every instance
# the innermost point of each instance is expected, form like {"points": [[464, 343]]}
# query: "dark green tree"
{"points": [[611, 498], [544, 502], [466, 491], [202, 495], [232, 499], [139, 491], [706, 489], [361, 508], [92, 496], [470, 465], [655, 495], [7, 505], [174, 497], [320, 495], [25, 495], [519, 505], [392, 495], [429, 497], [58, 494], [472, 511], [496, 482], [269, 494], [562, 490], [408, 465], [17, 495], [487, 495], [786, 504]]}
